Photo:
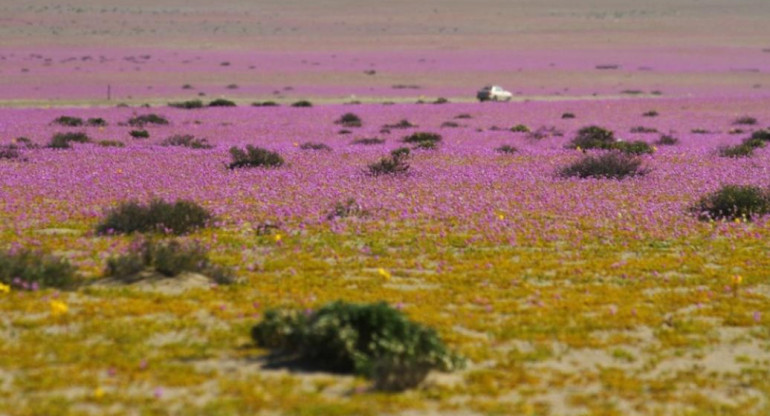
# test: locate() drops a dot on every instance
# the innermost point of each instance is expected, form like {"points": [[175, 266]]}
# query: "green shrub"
{"points": [[139, 134], [636, 147], [449, 124], [463, 116], [180, 217], [170, 259], [763, 135], [221, 102], [349, 208], [506, 149], [186, 140], [111, 143], [666, 140], [593, 137], [187, 105], [349, 120], [732, 202], [745, 149], [63, 140], [302, 103], [700, 131], [520, 128], [422, 137], [441, 100], [642, 129], [567, 116], [254, 157], [27, 269], [393, 164], [265, 104], [96, 122], [140, 121], [745, 120], [373, 340], [651, 113], [610, 165], [315, 146], [69, 121], [403, 124], [29, 144], [368, 141], [9, 151]]}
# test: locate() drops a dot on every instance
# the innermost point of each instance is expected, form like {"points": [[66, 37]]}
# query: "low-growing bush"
{"points": [[9, 151], [403, 124], [544, 132], [139, 134], [221, 102], [69, 121], [745, 120], [180, 217], [422, 137], [368, 141], [763, 135], [463, 116], [636, 147], [441, 100], [736, 151], [96, 122], [450, 124], [111, 143], [733, 202], [186, 140], [373, 340], [643, 129], [520, 128], [254, 157], [187, 105], [667, 140], [265, 104], [395, 163], [651, 113], [610, 165], [349, 208], [593, 137], [170, 258], [26, 142], [567, 116], [140, 121], [349, 120], [302, 103], [315, 146], [506, 149], [63, 140], [700, 131], [28, 269]]}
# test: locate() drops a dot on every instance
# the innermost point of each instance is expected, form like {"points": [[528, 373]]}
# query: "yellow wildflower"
{"points": [[277, 238], [737, 279], [501, 216], [98, 393], [578, 149], [5, 288], [384, 273], [58, 308]]}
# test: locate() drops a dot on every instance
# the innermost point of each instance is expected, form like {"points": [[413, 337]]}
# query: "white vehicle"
{"points": [[493, 93]]}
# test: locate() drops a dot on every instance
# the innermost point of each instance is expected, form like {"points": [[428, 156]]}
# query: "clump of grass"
{"points": [[700, 131], [441, 100], [403, 124], [463, 116], [394, 164], [186, 140], [64, 140], [667, 140], [170, 258], [373, 340], [651, 113], [738, 150], [69, 121], [349, 208], [187, 105], [139, 134], [745, 121], [344, 131], [254, 157], [221, 102], [368, 141], [9, 151], [520, 128], [636, 147], [315, 146], [180, 217], [302, 103], [593, 137], [111, 143], [610, 165], [643, 129], [265, 104], [422, 138], [232, 86], [567, 116], [349, 120], [141, 121], [28, 269], [450, 124], [508, 149], [733, 202], [96, 122], [762, 135]]}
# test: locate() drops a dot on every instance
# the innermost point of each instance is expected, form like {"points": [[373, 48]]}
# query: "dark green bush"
{"points": [[315, 146], [96, 122], [568, 116], [422, 137], [593, 137], [393, 164], [302, 103], [186, 140], [636, 147], [520, 128], [463, 116], [368, 141], [763, 135], [187, 105], [27, 269], [69, 121], [441, 100], [732, 202], [403, 124], [745, 120], [449, 124], [111, 143], [140, 121], [265, 104], [221, 102], [180, 217], [254, 157], [651, 113], [349, 208], [643, 129], [666, 140], [506, 149], [170, 259], [610, 165], [63, 140], [700, 131], [9, 151], [349, 120], [373, 340], [745, 149], [139, 134]]}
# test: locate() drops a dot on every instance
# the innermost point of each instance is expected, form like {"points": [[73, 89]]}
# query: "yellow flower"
{"points": [[98, 393], [384, 273], [58, 308], [578, 149], [277, 238], [737, 279], [5, 288], [501, 216]]}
